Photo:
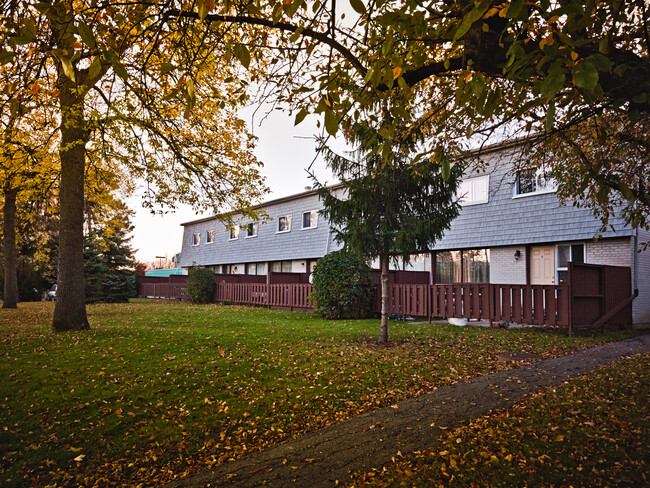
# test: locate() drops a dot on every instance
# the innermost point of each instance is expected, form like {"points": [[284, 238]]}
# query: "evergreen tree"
{"points": [[109, 266], [391, 204]]}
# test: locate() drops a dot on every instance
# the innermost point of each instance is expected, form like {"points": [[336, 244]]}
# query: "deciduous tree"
{"points": [[470, 72], [128, 75]]}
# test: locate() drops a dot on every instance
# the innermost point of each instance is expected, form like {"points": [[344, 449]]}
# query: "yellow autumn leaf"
{"points": [[397, 70], [547, 41]]}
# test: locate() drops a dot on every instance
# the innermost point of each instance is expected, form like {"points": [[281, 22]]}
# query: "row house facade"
{"points": [[512, 229]]}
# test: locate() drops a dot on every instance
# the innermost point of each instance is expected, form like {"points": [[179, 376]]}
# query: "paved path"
{"points": [[322, 458]]}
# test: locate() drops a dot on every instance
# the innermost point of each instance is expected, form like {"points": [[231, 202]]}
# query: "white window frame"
{"points": [[570, 245], [233, 233], [469, 197], [550, 185], [287, 220], [312, 212], [196, 239], [210, 236], [251, 227]]}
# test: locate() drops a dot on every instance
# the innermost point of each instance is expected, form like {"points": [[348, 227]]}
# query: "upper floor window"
{"points": [[474, 190], [210, 237], [284, 223], [251, 229], [196, 239], [234, 232], [309, 219], [535, 180]]}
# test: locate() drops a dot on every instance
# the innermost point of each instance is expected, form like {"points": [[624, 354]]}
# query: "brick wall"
{"points": [[612, 252], [504, 268]]}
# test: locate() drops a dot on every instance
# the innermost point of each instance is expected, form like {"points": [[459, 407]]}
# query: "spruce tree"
{"points": [[391, 204], [109, 266]]}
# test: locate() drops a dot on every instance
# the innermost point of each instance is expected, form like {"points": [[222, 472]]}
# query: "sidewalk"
{"points": [[328, 456]]}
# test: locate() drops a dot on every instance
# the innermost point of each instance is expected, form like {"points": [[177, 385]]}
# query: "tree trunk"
{"points": [[70, 308], [383, 330], [10, 298]]}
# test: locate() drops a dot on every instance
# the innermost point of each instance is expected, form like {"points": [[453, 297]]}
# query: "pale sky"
{"points": [[286, 151]]}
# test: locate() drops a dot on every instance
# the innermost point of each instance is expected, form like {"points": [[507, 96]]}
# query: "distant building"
{"points": [[164, 272]]}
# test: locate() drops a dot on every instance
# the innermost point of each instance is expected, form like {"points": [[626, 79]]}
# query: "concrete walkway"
{"points": [[322, 458]]}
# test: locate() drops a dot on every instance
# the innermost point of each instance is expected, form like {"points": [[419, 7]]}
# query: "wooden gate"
{"points": [[600, 295]]}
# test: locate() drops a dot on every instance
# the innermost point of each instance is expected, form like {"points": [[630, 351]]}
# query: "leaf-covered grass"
{"points": [[161, 389], [593, 431]]}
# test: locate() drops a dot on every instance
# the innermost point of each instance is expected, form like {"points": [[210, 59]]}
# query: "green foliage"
{"points": [[31, 281], [200, 285], [390, 205], [109, 264], [343, 286]]}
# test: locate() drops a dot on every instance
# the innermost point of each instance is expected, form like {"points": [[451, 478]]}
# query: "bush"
{"points": [[200, 285], [343, 287]]}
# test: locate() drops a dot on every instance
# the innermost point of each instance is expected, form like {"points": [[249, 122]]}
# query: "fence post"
{"points": [[491, 304], [570, 300]]}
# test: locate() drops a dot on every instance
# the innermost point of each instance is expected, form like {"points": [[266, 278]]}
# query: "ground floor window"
{"points": [[281, 267], [470, 266], [256, 269], [566, 253], [448, 267]]}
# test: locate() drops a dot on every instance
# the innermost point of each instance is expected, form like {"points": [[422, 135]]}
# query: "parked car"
{"points": [[51, 293]]}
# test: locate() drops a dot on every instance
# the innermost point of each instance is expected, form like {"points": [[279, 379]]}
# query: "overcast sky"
{"points": [[286, 151]]}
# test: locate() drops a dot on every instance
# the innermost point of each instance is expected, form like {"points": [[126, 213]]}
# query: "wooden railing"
{"points": [[291, 296], [530, 304]]}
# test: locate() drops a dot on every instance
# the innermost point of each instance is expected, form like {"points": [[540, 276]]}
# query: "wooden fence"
{"points": [[595, 296], [515, 303], [530, 304]]}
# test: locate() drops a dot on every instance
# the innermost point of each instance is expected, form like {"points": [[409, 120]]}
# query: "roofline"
{"points": [[507, 144], [497, 146], [276, 201]]}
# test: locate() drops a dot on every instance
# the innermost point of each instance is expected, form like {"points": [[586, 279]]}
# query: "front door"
{"points": [[542, 265]]}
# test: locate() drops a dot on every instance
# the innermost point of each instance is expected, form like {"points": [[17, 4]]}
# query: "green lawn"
{"points": [[593, 431], [161, 389]]}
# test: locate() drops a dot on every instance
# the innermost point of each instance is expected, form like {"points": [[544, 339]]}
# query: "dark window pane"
{"points": [[563, 256], [578, 253]]}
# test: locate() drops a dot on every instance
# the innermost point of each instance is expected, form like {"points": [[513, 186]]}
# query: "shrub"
{"points": [[200, 285], [343, 287]]}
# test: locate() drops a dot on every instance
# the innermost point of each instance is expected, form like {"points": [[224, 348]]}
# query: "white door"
{"points": [[542, 265]]}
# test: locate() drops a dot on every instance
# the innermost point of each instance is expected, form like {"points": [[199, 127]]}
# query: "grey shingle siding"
{"points": [[268, 245], [503, 221], [536, 218]]}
